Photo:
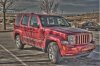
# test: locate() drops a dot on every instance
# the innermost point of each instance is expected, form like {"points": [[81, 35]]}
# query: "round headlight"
{"points": [[64, 42], [71, 39]]}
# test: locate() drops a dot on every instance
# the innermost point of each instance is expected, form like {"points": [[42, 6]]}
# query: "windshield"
{"points": [[48, 21]]}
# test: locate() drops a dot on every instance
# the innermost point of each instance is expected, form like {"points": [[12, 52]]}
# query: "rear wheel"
{"points": [[18, 42], [53, 53]]}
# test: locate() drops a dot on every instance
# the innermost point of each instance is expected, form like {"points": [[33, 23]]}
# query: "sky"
{"points": [[65, 6]]}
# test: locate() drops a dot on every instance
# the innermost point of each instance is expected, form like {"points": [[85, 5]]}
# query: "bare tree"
{"points": [[5, 4], [49, 6]]}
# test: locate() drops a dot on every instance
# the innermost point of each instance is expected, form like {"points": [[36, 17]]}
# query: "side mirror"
{"points": [[36, 25], [70, 25]]}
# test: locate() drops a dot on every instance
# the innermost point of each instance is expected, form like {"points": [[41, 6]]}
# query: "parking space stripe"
{"points": [[14, 56], [96, 51]]}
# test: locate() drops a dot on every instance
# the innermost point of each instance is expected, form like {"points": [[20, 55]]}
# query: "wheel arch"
{"points": [[16, 35], [17, 32], [47, 42]]}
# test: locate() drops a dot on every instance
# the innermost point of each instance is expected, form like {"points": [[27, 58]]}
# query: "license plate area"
{"points": [[88, 47]]}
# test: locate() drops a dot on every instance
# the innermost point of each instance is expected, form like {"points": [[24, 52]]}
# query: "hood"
{"points": [[68, 30]]}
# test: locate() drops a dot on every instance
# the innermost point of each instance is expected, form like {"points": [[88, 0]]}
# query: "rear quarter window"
{"points": [[25, 20], [18, 18]]}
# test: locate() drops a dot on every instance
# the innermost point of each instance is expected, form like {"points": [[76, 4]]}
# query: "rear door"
{"points": [[24, 28]]}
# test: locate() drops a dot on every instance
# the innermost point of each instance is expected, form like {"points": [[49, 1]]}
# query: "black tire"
{"points": [[18, 42], [53, 53]]}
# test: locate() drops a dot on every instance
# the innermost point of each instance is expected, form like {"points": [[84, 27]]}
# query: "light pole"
{"points": [[4, 14]]}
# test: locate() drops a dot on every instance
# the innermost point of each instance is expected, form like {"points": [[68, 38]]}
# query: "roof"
{"points": [[35, 14]]}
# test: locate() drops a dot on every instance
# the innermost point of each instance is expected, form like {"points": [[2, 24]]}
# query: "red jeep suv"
{"points": [[52, 34]]}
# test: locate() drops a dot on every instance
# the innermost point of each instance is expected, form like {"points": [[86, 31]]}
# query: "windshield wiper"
{"points": [[51, 25], [62, 25]]}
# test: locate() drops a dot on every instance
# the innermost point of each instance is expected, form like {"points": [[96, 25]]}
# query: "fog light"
{"points": [[64, 42]]}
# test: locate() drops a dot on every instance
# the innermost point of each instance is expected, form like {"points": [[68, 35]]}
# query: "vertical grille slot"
{"points": [[82, 38]]}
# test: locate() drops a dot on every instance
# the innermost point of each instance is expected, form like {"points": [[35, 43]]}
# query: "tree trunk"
{"points": [[4, 18]]}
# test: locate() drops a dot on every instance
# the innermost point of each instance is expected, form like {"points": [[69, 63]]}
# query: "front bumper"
{"points": [[78, 50]]}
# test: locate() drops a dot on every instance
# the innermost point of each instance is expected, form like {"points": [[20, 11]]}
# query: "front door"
{"points": [[35, 32]]}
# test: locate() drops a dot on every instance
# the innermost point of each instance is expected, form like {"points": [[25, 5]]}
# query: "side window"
{"points": [[25, 20], [51, 21], [44, 21], [18, 18], [34, 21]]}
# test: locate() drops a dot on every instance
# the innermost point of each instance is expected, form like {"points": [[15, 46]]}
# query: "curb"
{"points": [[6, 30]]}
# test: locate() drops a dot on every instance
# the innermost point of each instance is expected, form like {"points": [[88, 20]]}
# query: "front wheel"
{"points": [[18, 42], [53, 53]]}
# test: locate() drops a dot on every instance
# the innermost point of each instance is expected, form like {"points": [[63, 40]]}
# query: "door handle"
{"points": [[25, 29], [31, 30]]}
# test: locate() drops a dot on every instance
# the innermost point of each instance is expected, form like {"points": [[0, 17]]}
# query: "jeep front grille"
{"points": [[82, 38]]}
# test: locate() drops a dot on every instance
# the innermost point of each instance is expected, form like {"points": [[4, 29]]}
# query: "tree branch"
{"points": [[9, 3], [48, 6]]}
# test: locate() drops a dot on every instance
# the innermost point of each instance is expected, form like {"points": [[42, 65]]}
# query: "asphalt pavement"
{"points": [[30, 56]]}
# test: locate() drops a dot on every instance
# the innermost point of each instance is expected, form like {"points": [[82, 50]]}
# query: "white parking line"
{"points": [[14, 56], [96, 51]]}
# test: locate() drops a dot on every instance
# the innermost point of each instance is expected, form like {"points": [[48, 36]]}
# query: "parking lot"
{"points": [[30, 56]]}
